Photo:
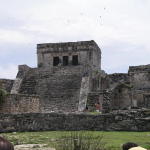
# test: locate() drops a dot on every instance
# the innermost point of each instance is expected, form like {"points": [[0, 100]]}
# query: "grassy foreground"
{"points": [[113, 140]]}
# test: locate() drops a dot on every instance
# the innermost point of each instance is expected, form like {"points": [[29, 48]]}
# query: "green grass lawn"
{"points": [[113, 140]]}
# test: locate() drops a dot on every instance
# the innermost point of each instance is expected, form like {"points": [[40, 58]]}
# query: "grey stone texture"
{"points": [[23, 69], [6, 84], [69, 79], [117, 121], [16, 103], [60, 85], [88, 52]]}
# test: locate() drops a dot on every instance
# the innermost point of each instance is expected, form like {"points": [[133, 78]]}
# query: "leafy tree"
{"points": [[3, 94]]}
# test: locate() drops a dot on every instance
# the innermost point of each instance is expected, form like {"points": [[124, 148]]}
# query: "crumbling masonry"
{"points": [[69, 79]]}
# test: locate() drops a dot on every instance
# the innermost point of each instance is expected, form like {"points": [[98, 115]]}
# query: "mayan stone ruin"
{"points": [[69, 78], [61, 93]]}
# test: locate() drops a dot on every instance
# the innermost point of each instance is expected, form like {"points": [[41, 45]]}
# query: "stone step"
{"points": [[57, 91]]}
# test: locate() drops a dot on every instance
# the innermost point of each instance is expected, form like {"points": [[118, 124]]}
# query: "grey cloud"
{"points": [[122, 31], [7, 22], [119, 56]]}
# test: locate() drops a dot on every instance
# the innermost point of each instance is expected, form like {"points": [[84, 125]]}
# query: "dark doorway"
{"points": [[55, 61], [65, 60], [75, 60]]}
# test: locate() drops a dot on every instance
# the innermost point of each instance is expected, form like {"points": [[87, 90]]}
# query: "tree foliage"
{"points": [[3, 94]]}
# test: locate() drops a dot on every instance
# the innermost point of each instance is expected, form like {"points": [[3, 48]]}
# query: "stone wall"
{"points": [[20, 104], [121, 97], [120, 121], [88, 52], [141, 99], [93, 98], [132, 89], [140, 77], [6, 84], [117, 78]]}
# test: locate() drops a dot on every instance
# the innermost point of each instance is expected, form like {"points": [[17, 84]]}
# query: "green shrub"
{"points": [[80, 141], [3, 93]]}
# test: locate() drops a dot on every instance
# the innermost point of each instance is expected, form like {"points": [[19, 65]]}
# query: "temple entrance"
{"points": [[55, 61], [75, 60], [65, 60]]}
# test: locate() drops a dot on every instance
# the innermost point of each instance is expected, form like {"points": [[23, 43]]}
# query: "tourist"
{"points": [[97, 106], [128, 145], [137, 148], [131, 146], [5, 144]]}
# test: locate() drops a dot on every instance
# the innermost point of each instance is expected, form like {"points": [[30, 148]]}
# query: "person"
{"points": [[97, 106], [128, 145], [137, 148], [5, 144], [132, 146]]}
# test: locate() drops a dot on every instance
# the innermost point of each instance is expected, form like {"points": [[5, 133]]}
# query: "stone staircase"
{"points": [[58, 92], [23, 70], [29, 82], [16, 86]]}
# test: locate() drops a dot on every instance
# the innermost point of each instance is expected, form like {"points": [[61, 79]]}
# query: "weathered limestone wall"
{"points": [[121, 98], [115, 91], [89, 54], [58, 88], [121, 121], [60, 92], [117, 78], [29, 82], [6, 84], [23, 69], [140, 77], [132, 89], [93, 98], [20, 104], [141, 99], [104, 80]]}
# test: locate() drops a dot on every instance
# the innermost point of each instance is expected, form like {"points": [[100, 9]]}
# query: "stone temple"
{"points": [[69, 78]]}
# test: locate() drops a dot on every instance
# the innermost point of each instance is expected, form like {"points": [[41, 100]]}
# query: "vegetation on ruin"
{"points": [[108, 140], [94, 113], [3, 93]]}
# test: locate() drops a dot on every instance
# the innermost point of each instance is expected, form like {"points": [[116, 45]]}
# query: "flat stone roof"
{"points": [[141, 68], [62, 44], [66, 46]]}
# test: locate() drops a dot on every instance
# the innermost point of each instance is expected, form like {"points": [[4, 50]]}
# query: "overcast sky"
{"points": [[121, 28]]}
